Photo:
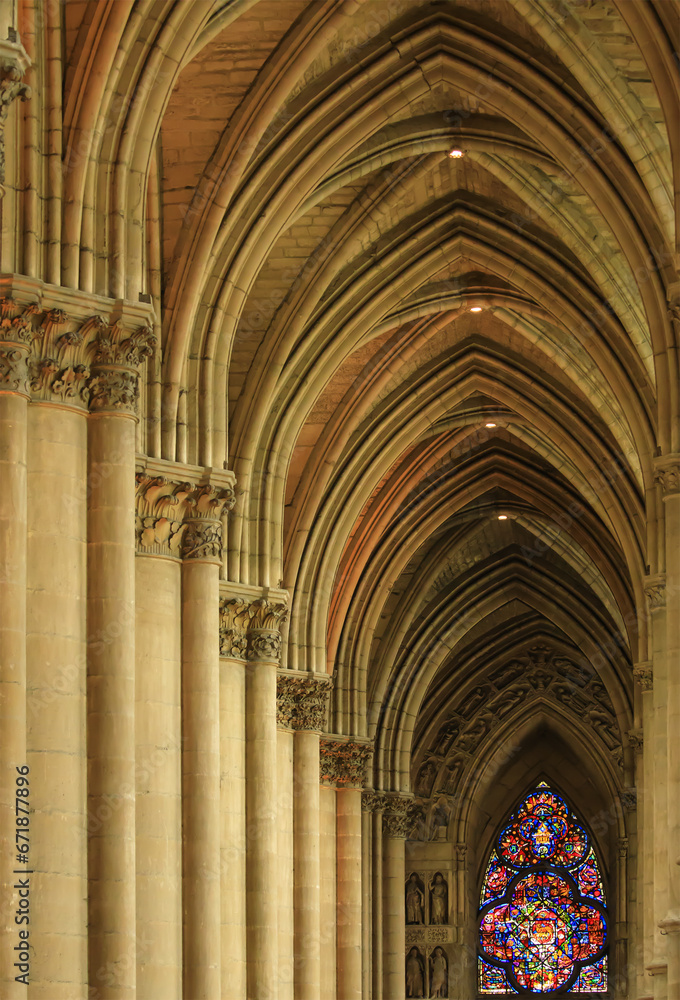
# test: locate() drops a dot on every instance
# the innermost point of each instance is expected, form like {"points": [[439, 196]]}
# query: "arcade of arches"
{"points": [[340, 489]]}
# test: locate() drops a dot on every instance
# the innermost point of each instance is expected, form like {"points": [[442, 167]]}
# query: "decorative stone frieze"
{"points": [[667, 474], [644, 676], [655, 591], [344, 763], [251, 630], [302, 700]]}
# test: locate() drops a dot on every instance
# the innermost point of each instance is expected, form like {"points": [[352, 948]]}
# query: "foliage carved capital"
{"points": [[344, 763], [667, 474], [655, 591], [302, 701], [251, 630]]}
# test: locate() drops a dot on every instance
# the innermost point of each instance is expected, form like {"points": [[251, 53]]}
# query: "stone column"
{"points": [[366, 895], [114, 392], [158, 820], [344, 763], [655, 590], [302, 702], [644, 760], [668, 475], [263, 654], [202, 555], [15, 339], [328, 916], [376, 804], [13, 64], [234, 614], [396, 826]]}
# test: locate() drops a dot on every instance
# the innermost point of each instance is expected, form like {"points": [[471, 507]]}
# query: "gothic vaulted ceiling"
{"points": [[441, 380]]}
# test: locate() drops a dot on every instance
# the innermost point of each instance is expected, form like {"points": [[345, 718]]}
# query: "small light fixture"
{"points": [[502, 517], [490, 425], [456, 154], [475, 309]]}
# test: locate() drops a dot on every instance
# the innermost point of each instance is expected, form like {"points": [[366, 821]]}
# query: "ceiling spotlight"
{"points": [[502, 517], [475, 309], [490, 425], [456, 154]]}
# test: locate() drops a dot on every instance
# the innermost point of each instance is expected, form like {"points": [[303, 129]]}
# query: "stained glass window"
{"points": [[542, 917]]}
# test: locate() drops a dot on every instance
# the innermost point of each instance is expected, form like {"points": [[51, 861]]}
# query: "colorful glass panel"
{"points": [[543, 924], [496, 879]]}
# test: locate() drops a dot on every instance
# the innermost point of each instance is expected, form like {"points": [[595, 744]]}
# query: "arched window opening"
{"points": [[542, 916]]}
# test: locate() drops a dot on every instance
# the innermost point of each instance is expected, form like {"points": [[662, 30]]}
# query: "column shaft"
{"points": [[307, 865], [366, 905], [201, 778], [159, 777], [378, 908], [286, 851], [233, 818], [56, 707], [13, 421], [394, 917], [349, 893], [111, 700], [328, 849], [261, 812], [672, 924]]}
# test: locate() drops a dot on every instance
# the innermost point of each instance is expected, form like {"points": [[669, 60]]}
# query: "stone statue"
{"points": [[439, 973], [415, 974], [439, 899], [415, 900]]}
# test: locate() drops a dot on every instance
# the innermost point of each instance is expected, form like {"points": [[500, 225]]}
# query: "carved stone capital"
{"points": [[302, 701], [372, 801], [159, 516], [344, 763], [622, 847], [667, 474], [117, 359], [202, 539], [398, 816], [644, 676], [250, 630], [655, 591], [16, 334], [234, 617], [461, 852], [635, 740]]}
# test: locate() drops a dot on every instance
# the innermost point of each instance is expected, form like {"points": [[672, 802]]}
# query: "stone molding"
{"points": [[302, 700], [344, 762], [670, 924], [667, 473], [14, 62], [644, 675], [655, 591], [77, 357], [251, 630], [628, 798], [177, 517]]}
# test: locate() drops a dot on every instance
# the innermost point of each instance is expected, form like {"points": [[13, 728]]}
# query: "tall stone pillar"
{"points": [[344, 763], [655, 590], [202, 559], [158, 647], [234, 614], [302, 702], [263, 654], [668, 475], [114, 391], [15, 339], [396, 826], [366, 894], [375, 801], [642, 744]]}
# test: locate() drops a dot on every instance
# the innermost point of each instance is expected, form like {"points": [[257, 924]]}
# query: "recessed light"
{"points": [[489, 425], [456, 154], [475, 309], [502, 517]]}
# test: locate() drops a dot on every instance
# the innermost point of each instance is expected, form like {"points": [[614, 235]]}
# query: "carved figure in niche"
{"points": [[439, 973], [426, 778], [439, 899], [415, 900], [415, 974]]}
